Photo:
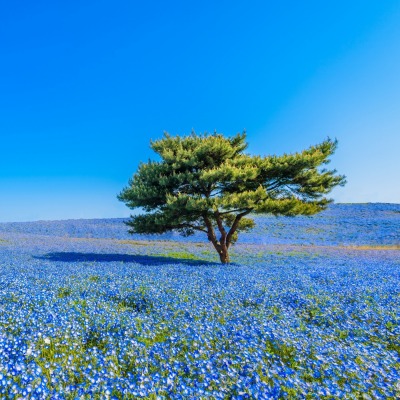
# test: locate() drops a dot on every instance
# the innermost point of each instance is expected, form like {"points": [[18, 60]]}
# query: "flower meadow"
{"points": [[309, 308]]}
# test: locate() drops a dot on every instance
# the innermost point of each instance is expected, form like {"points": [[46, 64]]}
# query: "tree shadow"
{"points": [[126, 258]]}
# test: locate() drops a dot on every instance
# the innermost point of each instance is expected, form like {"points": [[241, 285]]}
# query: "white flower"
{"points": [[47, 340], [28, 351]]}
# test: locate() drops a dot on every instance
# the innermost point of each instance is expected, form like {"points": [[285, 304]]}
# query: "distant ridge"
{"points": [[368, 224]]}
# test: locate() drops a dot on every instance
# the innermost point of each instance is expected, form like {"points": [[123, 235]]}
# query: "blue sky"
{"points": [[84, 86]]}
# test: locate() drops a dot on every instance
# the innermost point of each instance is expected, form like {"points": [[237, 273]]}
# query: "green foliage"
{"points": [[285, 352], [94, 278], [64, 292], [208, 183], [183, 255]]}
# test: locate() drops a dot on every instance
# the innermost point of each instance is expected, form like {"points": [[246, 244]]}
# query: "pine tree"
{"points": [[207, 183]]}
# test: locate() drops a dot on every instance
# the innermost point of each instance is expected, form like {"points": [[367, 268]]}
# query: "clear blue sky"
{"points": [[85, 85]]}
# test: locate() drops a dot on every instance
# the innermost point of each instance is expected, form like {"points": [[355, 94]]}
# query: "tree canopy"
{"points": [[207, 183]]}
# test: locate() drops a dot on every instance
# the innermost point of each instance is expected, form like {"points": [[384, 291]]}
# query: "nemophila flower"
{"points": [[105, 318]]}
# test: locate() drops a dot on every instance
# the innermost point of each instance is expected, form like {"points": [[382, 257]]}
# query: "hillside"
{"points": [[308, 307], [340, 224]]}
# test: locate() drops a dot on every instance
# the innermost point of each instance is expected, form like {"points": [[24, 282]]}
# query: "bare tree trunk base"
{"points": [[224, 257]]}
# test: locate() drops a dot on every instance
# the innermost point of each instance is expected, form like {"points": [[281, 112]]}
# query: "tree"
{"points": [[207, 183]]}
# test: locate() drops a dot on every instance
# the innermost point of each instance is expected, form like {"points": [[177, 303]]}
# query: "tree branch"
{"points": [[275, 184], [220, 227], [211, 234], [228, 212], [235, 225], [197, 228]]}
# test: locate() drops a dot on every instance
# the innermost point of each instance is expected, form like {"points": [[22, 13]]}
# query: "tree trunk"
{"points": [[221, 247], [224, 256]]}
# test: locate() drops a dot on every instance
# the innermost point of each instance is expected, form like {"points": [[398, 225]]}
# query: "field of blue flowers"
{"points": [[309, 308]]}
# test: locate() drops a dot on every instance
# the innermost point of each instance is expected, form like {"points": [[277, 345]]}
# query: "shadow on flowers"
{"points": [[125, 258]]}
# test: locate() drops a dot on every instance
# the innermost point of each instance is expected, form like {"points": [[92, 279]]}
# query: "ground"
{"points": [[309, 308]]}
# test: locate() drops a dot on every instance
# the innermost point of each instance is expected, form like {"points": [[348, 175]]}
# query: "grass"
{"points": [[376, 247]]}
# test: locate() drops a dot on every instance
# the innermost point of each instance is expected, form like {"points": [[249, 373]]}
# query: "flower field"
{"points": [[309, 308]]}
